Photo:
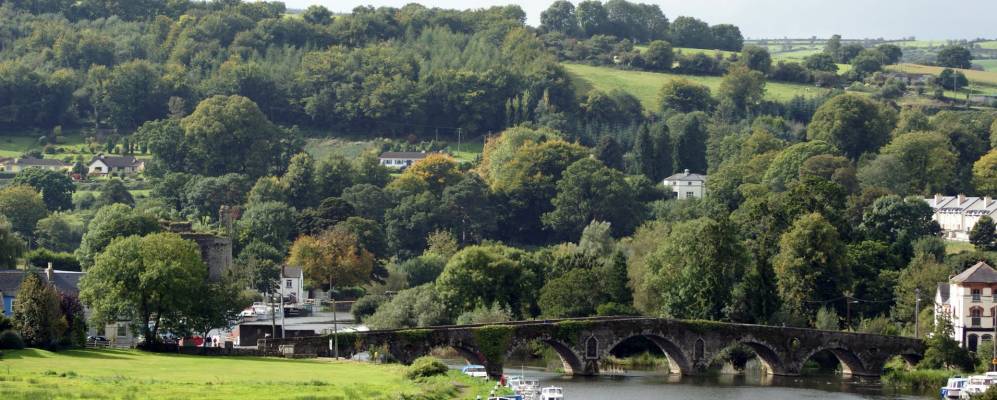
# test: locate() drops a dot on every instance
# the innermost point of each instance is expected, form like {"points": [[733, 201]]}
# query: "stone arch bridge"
{"points": [[691, 346]]}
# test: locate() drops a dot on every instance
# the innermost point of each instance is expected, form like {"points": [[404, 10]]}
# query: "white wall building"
{"points": [[687, 185], [292, 281], [958, 214], [400, 159], [967, 301]]}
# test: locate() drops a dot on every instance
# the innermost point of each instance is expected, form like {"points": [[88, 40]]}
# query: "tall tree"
{"points": [[559, 17], [955, 57], [592, 18], [589, 191], [333, 259], [853, 124], [983, 234], [811, 265], [11, 247], [108, 223], [231, 134], [985, 173], [684, 96], [144, 280], [37, 315], [689, 131], [23, 207], [55, 187]]}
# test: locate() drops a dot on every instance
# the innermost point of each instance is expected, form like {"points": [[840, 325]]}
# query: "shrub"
{"points": [[11, 340], [367, 306], [40, 258], [425, 367]]}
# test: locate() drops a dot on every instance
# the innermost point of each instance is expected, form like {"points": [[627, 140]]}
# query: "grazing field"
{"points": [[989, 65], [978, 77], [322, 148], [35, 374], [645, 85], [72, 144], [988, 45]]}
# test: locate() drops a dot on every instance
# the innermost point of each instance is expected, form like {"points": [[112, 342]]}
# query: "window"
{"points": [[690, 183], [974, 315], [976, 295], [290, 284], [689, 195], [122, 330]]}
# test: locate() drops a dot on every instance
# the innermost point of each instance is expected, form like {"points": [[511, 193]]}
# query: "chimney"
{"points": [[987, 201], [938, 199], [687, 171], [962, 199], [49, 272]]}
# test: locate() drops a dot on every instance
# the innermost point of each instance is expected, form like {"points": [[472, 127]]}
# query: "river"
{"points": [[659, 385]]}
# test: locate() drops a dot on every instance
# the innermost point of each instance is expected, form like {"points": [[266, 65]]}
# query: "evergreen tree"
{"points": [[982, 236], [663, 150], [37, 313], [609, 152], [644, 153]]}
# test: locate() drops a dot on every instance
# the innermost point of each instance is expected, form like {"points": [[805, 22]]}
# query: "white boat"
{"points": [[953, 388], [552, 393], [976, 385], [513, 381], [529, 388]]}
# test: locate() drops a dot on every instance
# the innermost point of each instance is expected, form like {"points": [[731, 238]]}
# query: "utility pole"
{"points": [[458, 140], [917, 312], [335, 329]]}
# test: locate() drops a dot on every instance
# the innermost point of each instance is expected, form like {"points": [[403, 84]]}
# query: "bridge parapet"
{"points": [[691, 346]]}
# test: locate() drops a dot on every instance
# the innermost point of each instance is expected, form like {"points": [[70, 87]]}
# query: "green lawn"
{"points": [[988, 45], [989, 65], [645, 85], [13, 146], [977, 77], [130, 374], [953, 247], [321, 148]]}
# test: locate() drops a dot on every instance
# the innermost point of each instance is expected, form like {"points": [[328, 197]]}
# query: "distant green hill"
{"points": [[645, 85]]}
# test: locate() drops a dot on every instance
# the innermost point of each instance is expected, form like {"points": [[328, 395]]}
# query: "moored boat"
{"points": [[552, 393], [953, 388]]}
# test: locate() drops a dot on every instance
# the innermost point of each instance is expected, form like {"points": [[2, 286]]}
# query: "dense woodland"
{"points": [[812, 204]]}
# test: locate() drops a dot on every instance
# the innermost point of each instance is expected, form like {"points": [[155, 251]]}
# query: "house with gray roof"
{"points": [[401, 159], [957, 215], [66, 282], [967, 302], [103, 165], [687, 185]]}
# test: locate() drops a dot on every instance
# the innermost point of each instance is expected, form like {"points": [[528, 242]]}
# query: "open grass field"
{"points": [[989, 65], [953, 247], [988, 45], [324, 147], [72, 144], [978, 77], [130, 374], [645, 85]]}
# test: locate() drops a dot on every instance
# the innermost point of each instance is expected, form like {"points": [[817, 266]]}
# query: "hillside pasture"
{"points": [[645, 85], [978, 77], [988, 65]]}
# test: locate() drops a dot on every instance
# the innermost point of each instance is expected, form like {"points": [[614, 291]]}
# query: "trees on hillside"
{"points": [[955, 56], [231, 134], [55, 187], [853, 124], [332, 259], [590, 191]]}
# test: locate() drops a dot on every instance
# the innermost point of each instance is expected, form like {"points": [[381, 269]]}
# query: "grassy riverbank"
{"points": [[113, 374]]}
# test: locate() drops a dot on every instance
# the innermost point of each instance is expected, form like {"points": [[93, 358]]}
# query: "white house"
{"points": [[687, 185], [102, 165], [401, 159], [292, 281], [958, 214], [21, 164], [967, 301]]}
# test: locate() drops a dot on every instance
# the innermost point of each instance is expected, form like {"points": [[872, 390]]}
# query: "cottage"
{"points": [[957, 215], [292, 285], [20, 164], [687, 185], [66, 282], [103, 165], [400, 159], [967, 301]]}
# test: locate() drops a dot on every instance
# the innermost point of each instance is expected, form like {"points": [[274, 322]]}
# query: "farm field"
{"points": [[33, 374], [989, 65], [12, 146], [978, 77], [988, 45], [645, 85]]}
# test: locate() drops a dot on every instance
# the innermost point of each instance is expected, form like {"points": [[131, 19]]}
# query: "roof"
{"points": [[117, 161], [943, 291], [686, 176], [38, 161], [979, 273], [291, 272], [67, 282], [406, 155]]}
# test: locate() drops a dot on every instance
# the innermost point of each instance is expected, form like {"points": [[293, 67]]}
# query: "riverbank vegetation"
{"points": [[32, 374]]}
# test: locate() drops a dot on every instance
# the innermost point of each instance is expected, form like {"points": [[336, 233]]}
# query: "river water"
{"points": [[660, 385]]}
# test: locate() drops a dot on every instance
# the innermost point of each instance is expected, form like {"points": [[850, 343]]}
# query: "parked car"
{"points": [[98, 340]]}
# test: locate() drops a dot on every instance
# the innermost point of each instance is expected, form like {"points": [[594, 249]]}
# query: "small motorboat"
{"points": [[976, 385], [552, 393], [953, 388]]}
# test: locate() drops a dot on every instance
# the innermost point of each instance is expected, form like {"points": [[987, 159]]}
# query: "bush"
{"points": [[40, 258], [367, 305], [425, 367], [11, 340]]}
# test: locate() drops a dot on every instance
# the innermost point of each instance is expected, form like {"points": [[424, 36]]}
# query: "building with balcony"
{"points": [[967, 301]]}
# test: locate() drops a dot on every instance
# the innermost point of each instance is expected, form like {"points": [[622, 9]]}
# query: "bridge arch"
{"points": [[570, 361], [850, 362], [766, 353], [678, 363]]}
